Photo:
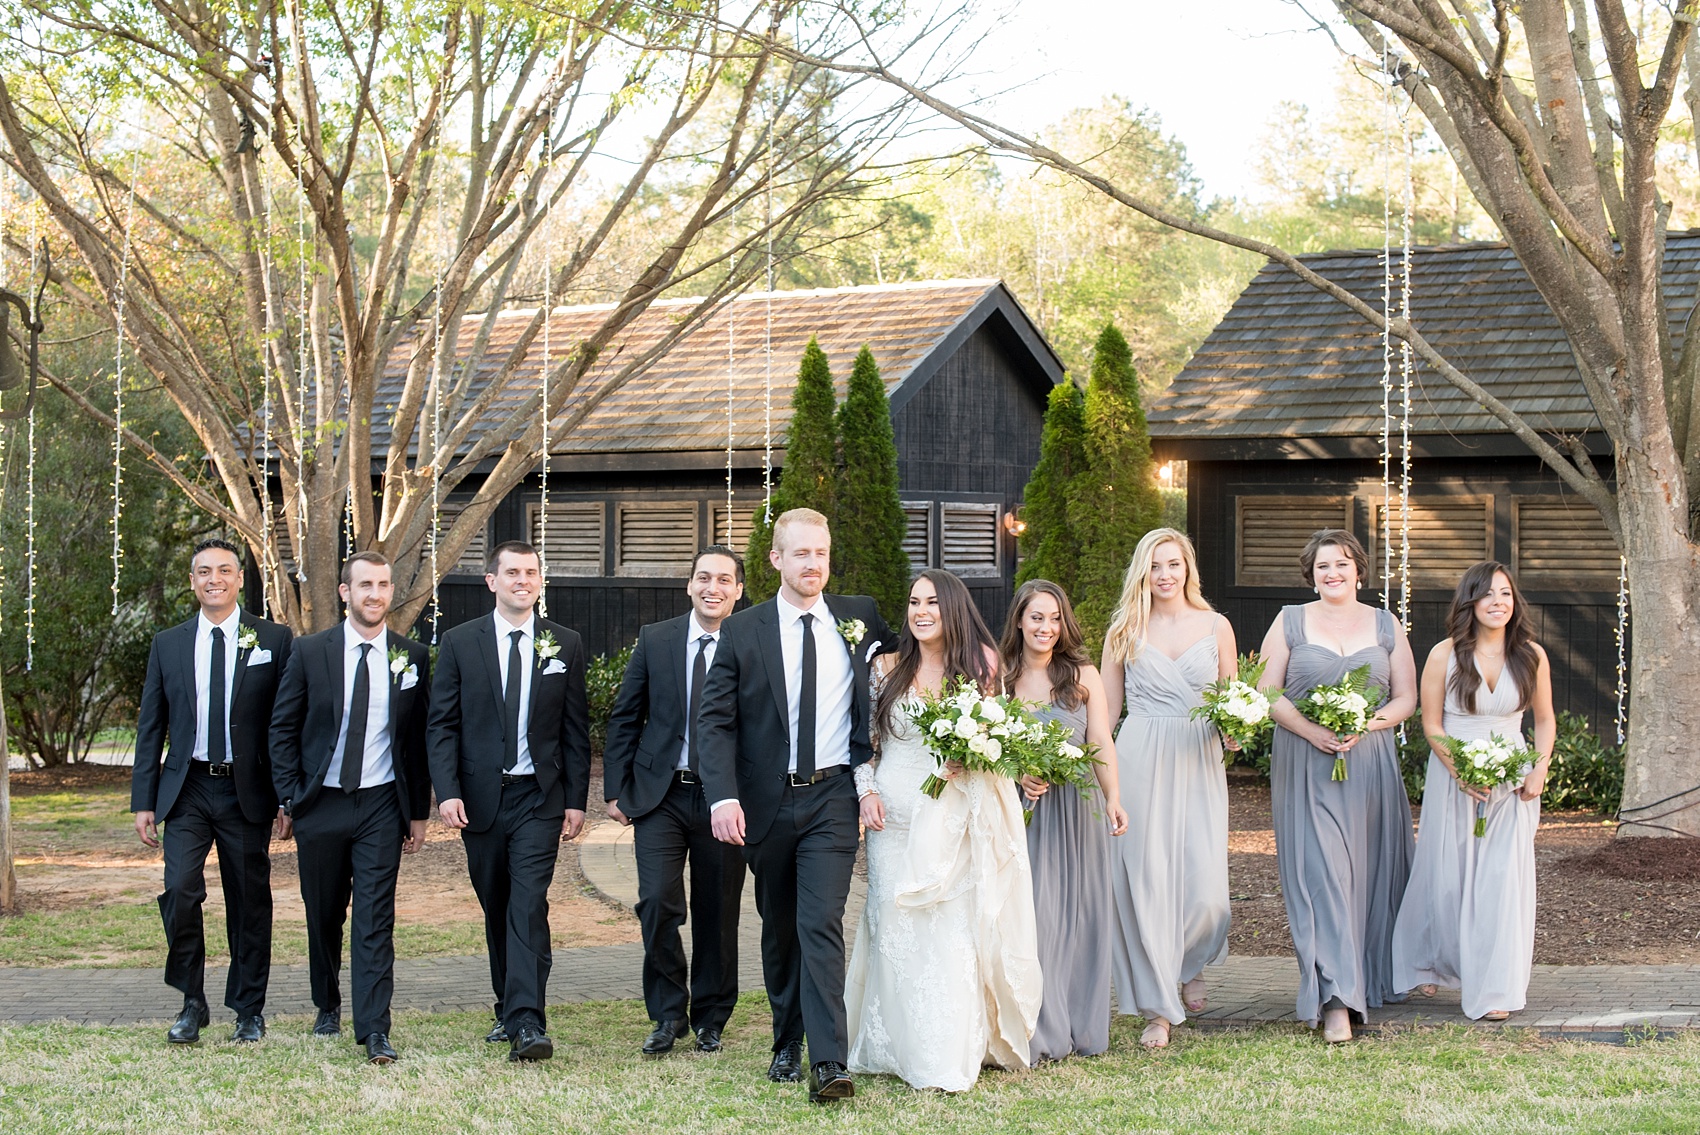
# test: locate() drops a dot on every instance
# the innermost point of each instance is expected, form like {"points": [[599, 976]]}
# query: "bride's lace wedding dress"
{"points": [[944, 977]]}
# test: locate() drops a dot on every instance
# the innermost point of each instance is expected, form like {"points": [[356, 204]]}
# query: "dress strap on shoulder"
{"points": [[1293, 624], [1386, 628]]}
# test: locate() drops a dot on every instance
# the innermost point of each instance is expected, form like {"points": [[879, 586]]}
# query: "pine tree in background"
{"points": [[1049, 547], [1116, 501], [808, 479], [867, 533]]}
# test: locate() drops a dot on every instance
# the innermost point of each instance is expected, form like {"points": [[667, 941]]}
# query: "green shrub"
{"points": [[602, 682]]}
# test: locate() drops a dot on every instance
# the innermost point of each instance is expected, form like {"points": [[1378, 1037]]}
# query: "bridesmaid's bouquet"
{"points": [[1345, 707], [1488, 764], [1045, 750], [1236, 707]]}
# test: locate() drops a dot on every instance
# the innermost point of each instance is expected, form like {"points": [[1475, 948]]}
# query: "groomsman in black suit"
{"points": [[348, 758], [509, 739], [784, 717], [209, 690], [651, 780]]}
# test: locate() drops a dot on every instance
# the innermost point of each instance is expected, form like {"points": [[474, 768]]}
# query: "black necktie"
{"points": [[354, 743], [510, 705], [216, 752], [806, 704], [699, 672]]}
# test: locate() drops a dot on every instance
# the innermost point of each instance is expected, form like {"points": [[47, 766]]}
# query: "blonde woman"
{"points": [[1169, 872]]}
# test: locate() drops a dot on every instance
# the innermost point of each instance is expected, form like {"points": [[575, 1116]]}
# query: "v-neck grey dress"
{"points": [[1170, 871], [1343, 846]]}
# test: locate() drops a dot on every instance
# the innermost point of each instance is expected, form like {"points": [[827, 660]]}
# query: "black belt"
{"points": [[517, 778], [795, 781], [220, 771], [686, 776]]}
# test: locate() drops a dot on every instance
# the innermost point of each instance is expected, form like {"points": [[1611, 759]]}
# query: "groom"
{"points": [[783, 719]]}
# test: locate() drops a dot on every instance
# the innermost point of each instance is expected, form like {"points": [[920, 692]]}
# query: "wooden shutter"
{"points": [[572, 542], [1448, 534], [280, 539], [970, 538], [1561, 544], [471, 560], [657, 538], [743, 522], [918, 534], [1271, 531]]}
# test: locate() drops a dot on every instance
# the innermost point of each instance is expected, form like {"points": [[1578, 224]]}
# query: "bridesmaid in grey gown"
{"points": [[1468, 920], [1343, 847], [1170, 872], [1068, 840]]}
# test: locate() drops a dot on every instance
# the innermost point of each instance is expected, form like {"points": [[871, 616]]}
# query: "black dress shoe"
{"points": [[250, 1029], [497, 1035], [787, 1066], [190, 1022], [531, 1043], [660, 1041], [828, 1080], [378, 1050], [708, 1040], [328, 1023]]}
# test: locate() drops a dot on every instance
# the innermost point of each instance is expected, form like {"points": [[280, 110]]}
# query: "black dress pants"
{"points": [[802, 868], [349, 849], [512, 864], [677, 831], [207, 814]]}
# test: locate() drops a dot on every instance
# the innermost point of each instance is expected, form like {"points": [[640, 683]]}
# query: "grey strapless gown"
{"points": [[1343, 847], [1170, 871], [1068, 844]]}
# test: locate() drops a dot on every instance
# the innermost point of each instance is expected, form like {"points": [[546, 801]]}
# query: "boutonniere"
{"points": [[546, 646], [247, 638], [398, 661], [852, 631]]}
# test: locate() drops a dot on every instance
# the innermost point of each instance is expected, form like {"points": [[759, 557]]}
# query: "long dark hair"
{"points": [[966, 641], [1520, 656], [1068, 655]]}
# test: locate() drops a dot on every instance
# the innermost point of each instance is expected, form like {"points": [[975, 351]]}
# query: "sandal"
{"points": [[1337, 1033], [1496, 1015], [1156, 1034], [1193, 995], [1428, 989]]}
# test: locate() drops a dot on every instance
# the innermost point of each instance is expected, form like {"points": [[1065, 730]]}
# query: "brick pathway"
{"points": [[1595, 1002]]}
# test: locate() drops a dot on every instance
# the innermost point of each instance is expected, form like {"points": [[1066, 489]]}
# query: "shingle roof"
{"points": [[680, 402], [1290, 361]]}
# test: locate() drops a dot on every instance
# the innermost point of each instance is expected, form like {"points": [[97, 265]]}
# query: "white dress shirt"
{"points": [[834, 682], [693, 638], [203, 690], [378, 764], [528, 657]]}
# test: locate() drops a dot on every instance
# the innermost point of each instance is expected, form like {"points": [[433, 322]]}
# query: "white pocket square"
{"points": [[555, 666], [410, 677], [259, 657], [872, 646]]}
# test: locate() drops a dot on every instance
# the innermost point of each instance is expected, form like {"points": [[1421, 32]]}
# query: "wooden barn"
{"points": [[643, 481], [1279, 419]]}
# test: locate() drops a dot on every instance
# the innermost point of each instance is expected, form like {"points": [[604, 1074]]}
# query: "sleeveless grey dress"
{"points": [[1068, 844], [1468, 919], [1170, 871], [1343, 847]]}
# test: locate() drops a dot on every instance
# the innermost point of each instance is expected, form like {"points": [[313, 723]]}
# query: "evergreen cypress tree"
{"points": [[1050, 547], [809, 478], [867, 533], [1116, 501]]}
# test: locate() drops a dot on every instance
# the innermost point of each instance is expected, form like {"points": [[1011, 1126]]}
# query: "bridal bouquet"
{"points": [[1345, 707], [1488, 764], [998, 735], [1236, 707]]}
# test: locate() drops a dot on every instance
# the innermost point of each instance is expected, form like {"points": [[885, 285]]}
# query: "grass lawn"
{"points": [[1274, 1079]]}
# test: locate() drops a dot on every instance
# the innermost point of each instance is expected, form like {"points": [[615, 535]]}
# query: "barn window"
{"points": [[918, 534], [970, 538], [744, 515], [573, 540], [1448, 534], [656, 538], [281, 547], [471, 561], [1270, 532], [1561, 544]]}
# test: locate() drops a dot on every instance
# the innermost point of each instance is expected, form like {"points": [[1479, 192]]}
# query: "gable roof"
{"points": [[1288, 361], [680, 403]]}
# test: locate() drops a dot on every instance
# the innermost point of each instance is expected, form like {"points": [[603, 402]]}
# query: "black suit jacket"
{"points": [[743, 723], [308, 721], [647, 726], [467, 728], [168, 712]]}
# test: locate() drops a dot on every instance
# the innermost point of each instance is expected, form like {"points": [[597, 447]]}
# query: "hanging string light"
{"points": [[268, 550], [1391, 114], [731, 345], [1406, 361], [29, 467], [1386, 336], [767, 339], [543, 379], [1622, 634], [303, 431], [118, 387], [436, 396], [5, 433]]}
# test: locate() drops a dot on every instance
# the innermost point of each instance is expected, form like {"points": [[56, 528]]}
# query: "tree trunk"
{"points": [[8, 879]]}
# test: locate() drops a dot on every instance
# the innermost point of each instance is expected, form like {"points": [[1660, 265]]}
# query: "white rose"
{"points": [[1072, 752], [966, 700], [398, 664], [977, 743], [942, 727], [967, 727], [990, 710], [993, 748], [999, 731]]}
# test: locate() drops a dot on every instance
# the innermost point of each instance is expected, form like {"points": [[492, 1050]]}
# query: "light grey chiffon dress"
{"points": [[1068, 845], [1468, 919], [1170, 870], [1343, 847]]}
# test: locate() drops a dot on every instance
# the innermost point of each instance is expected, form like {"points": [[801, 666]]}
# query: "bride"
{"points": [[944, 978]]}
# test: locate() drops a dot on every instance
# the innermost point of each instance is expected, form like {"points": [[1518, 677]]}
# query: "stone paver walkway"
{"points": [[1593, 1002]]}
